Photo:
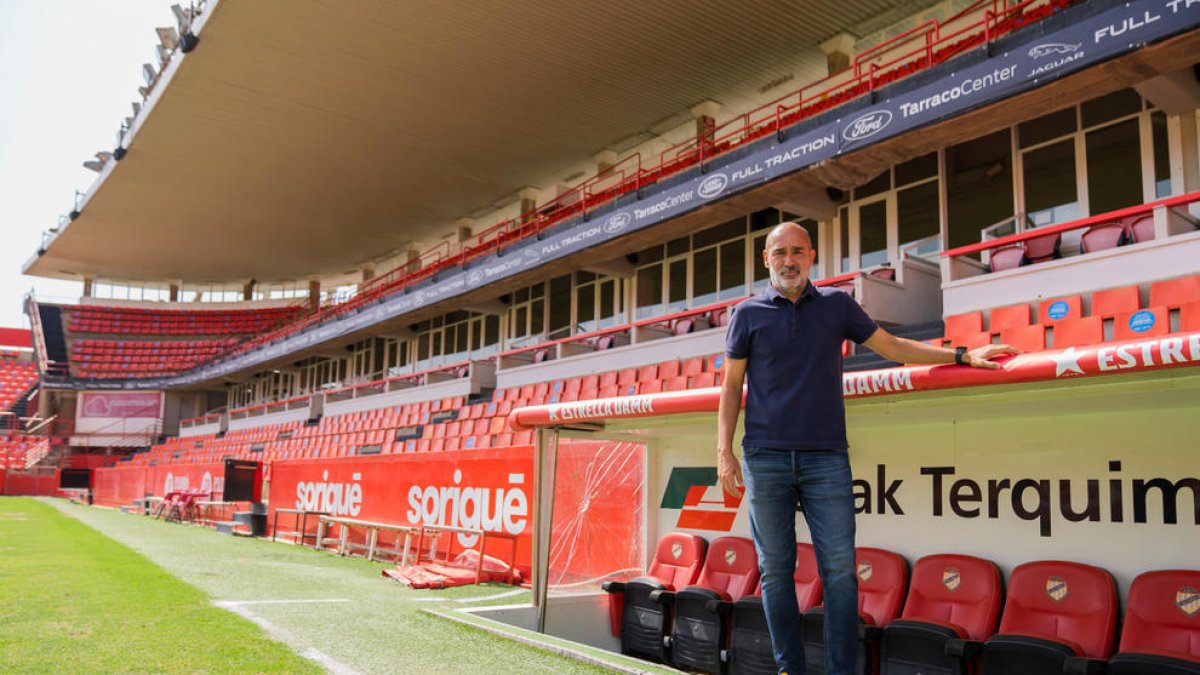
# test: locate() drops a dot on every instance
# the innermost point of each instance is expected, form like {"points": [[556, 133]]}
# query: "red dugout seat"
{"points": [[1141, 324], [1007, 258], [1059, 309], [1174, 293], [639, 615], [1161, 633], [1088, 330], [750, 650], [1103, 236], [1054, 610], [951, 599], [702, 610], [1013, 316], [882, 584], [1113, 301]]}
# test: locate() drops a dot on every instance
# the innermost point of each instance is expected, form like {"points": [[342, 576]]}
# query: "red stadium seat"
{"points": [[882, 585], [1053, 611], [1189, 317], [1141, 324], [702, 610], [639, 617], [971, 340], [750, 648], [1088, 330], [1161, 632], [1057, 309], [963, 324], [951, 597], [1026, 338], [1007, 258], [1174, 293], [1013, 316], [1043, 248], [1102, 236], [704, 380], [1141, 228], [1113, 301]]}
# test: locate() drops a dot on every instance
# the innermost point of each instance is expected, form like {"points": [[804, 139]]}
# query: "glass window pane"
{"points": [[491, 330], [1114, 167], [917, 214], [704, 277], [1050, 191], [585, 308], [764, 219], [878, 184], [608, 308], [676, 285], [537, 317], [762, 275], [1046, 127], [652, 254], [560, 306], [1110, 107], [844, 238], [872, 233], [916, 169], [722, 232], [520, 324], [678, 246], [460, 340], [732, 270], [1162, 158], [649, 291]]}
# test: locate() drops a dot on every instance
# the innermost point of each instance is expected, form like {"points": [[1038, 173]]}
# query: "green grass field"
{"points": [[92, 590]]}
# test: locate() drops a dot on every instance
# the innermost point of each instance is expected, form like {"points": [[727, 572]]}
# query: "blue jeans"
{"points": [[819, 482]]}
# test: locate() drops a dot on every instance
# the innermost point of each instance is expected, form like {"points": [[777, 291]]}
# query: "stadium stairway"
{"points": [[52, 333], [866, 359]]}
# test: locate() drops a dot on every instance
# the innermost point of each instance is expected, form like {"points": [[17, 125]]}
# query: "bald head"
{"points": [[788, 255], [788, 227]]}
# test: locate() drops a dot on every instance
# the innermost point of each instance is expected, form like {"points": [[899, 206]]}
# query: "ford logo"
{"points": [[1052, 48], [617, 223], [712, 186], [867, 125]]}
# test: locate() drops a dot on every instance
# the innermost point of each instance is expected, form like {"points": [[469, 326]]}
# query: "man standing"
{"points": [[787, 342]]}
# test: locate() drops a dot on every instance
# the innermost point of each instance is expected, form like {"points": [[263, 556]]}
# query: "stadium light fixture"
{"points": [[148, 73], [168, 37]]}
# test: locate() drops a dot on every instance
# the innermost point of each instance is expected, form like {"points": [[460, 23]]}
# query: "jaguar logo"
{"points": [[713, 185], [1056, 588], [1052, 48], [617, 222], [866, 126], [676, 550], [951, 579]]}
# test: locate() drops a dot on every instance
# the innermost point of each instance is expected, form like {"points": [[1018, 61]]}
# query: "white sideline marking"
{"points": [[497, 596], [231, 603], [320, 658]]}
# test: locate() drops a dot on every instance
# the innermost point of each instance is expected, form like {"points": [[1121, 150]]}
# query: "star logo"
{"points": [[1066, 362]]}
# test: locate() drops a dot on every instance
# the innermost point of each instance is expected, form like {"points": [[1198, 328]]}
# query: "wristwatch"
{"points": [[959, 353]]}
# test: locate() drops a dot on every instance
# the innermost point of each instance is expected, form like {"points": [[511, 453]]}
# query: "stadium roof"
{"points": [[305, 139]]}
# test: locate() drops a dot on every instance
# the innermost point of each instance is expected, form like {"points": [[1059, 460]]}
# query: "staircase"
{"points": [[866, 359]]}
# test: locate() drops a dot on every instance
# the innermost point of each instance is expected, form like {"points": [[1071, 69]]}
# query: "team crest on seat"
{"points": [[951, 579], [1056, 588], [1187, 599], [730, 556], [865, 571], [676, 550]]}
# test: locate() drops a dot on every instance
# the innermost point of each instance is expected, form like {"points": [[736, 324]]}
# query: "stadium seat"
{"points": [[1054, 610], [639, 616], [1174, 293], [1026, 338], [1043, 248], [1113, 301], [702, 610], [750, 650], [1141, 228], [951, 598], [882, 584], [1161, 632], [971, 340], [1141, 324], [1102, 236], [1013, 316], [1088, 330], [964, 324], [1058, 309], [1007, 258], [1189, 317]]}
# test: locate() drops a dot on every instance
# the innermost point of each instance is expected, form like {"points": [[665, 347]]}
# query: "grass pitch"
{"points": [[338, 613], [73, 600]]}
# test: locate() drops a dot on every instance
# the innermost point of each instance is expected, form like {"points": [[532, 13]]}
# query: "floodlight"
{"points": [[167, 37], [148, 73], [183, 18], [104, 156], [163, 55], [137, 108], [94, 165]]}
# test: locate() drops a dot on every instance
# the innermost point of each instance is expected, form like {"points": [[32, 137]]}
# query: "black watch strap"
{"points": [[959, 353]]}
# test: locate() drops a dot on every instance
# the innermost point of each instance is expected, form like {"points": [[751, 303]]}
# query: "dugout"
{"points": [[1059, 455]]}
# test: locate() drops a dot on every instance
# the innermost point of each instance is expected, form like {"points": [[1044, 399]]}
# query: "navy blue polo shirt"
{"points": [[794, 366]]}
